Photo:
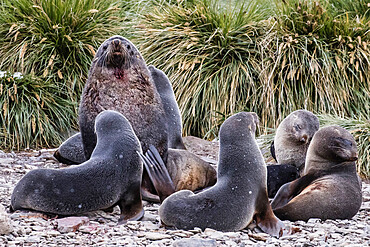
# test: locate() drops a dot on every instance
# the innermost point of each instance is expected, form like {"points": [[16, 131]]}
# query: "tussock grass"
{"points": [[211, 54], [56, 38], [223, 58], [33, 115]]}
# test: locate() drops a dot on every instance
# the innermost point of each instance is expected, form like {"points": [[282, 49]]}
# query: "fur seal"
{"points": [[239, 195], [71, 151], [278, 175], [293, 137], [174, 122], [120, 80], [330, 187], [112, 176]]}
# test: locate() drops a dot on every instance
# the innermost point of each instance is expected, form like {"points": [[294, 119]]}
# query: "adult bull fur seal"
{"points": [[171, 108], [293, 137], [112, 176], [330, 188], [120, 80], [240, 194]]}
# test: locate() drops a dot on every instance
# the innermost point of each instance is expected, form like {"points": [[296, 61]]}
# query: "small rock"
{"points": [[194, 242], [156, 236], [6, 161], [5, 227], [71, 224], [259, 236], [33, 239], [92, 228], [53, 233], [213, 233]]}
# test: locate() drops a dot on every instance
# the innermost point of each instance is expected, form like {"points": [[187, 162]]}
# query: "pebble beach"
{"points": [[99, 228]]}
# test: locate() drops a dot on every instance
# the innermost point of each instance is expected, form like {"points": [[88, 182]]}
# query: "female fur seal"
{"points": [[112, 176], [240, 194], [174, 122], [330, 187]]}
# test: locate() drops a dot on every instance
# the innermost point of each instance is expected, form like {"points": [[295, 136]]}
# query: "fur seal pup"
{"points": [[293, 137], [71, 151], [120, 80], [174, 122], [330, 187], [278, 175], [112, 176], [239, 195]]}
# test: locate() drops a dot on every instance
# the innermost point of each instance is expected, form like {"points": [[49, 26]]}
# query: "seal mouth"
{"points": [[353, 158]]}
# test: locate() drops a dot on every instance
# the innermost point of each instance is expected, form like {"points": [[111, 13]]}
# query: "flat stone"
{"points": [[156, 236], [213, 233], [6, 161], [53, 233], [5, 226], [71, 224], [259, 236], [194, 242], [33, 239]]}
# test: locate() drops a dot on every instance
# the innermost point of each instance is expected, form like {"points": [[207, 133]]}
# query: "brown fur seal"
{"points": [[240, 194], [112, 176], [120, 80], [171, 108], [293, 137], [330, 188]]}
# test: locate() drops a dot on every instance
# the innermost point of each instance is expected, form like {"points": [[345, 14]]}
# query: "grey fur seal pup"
{"points": [[71, 151], [120, 80], [293, 137], [330, 187], [238, 197], [112, 176], [174, 122]]}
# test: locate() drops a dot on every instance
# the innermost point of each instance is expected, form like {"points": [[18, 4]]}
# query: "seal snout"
{"points": [[117, 46], [304, 138]]}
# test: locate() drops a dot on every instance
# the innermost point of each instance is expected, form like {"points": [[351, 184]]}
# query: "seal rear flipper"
{"points": [[158, 173], [148, 196], [269, 223]]}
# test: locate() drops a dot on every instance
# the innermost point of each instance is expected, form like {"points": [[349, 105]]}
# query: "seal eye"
{"points": [[297, 127]]}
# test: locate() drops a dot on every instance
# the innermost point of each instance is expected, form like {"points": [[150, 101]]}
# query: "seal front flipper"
{"points": [[158, 173], [130, 212], [272, 151], [289, 190]]}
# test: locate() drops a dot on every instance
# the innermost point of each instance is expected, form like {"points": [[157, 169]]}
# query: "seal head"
{"points": [[293, 137]]}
